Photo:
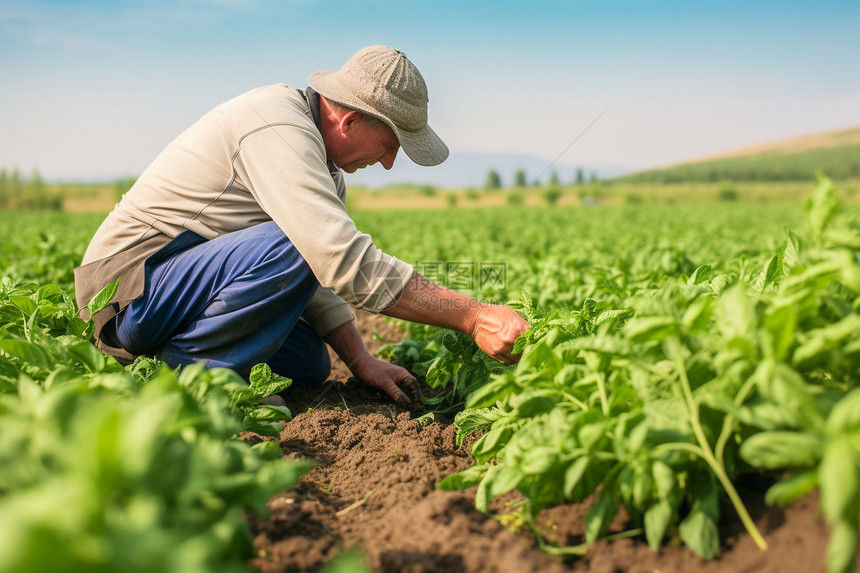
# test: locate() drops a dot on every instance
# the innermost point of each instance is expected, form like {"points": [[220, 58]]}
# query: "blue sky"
{"points": [[95, 89]]}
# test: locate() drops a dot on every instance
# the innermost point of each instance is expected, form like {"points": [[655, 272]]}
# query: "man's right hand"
{"points": [[496, 329]]}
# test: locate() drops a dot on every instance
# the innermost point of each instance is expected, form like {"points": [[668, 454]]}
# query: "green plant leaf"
{"points": [[658, 519], [699, 532], [349, 561], [719, 284], [821, 205], [600, 515], [790, 255], [24, 303], [267, 413], [664, 479], [92, 358], [500, 480], [779, 449], [842, 548], [490, 443], [537, 460], [780, 324], [573, 474], [792, 488], [651, 328], [464, 479], [264, 382], [643, 484], [28, 353], [103, 298], [529, 406], [697, 317], [497, 390], [268, 450], [838, 478], [700, 275], [737, 320], [845, 415]]}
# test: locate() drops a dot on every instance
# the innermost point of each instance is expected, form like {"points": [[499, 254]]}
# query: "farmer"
{"points": [[234, 246]]}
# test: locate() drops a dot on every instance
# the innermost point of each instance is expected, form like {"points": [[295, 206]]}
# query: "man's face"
{"points": [[364, 145]]}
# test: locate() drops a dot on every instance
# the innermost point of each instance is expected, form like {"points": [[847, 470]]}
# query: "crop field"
{"points": [[687, 399]]}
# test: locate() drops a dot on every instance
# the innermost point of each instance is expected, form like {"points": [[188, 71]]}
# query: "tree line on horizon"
{"points": [[18, 192], [494, 179], [551, 192]]}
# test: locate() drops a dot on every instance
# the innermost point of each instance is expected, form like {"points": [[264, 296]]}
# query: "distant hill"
{"points": [[835, 153], [469, 169]]}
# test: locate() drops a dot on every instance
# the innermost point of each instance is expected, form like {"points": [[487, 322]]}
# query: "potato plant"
{"points": [[657, 387], [672, 349], [138, 469]]}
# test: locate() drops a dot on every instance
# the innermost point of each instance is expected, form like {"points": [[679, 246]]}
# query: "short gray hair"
{"points": [[372, 121]]}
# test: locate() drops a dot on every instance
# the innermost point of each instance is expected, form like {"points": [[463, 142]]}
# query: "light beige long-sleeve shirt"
{"points": [[258, 157]]}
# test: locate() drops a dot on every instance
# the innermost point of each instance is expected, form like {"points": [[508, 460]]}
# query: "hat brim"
{"points": [[424, 146]]}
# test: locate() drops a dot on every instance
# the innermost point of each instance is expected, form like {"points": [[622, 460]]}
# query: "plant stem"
{"points": [[729, 421], [582, 548], [601, 388], [579, 403], [683, 446], [708, 455]]}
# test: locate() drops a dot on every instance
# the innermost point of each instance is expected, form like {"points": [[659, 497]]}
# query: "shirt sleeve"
{"points": [[284, 167], [326, 311]]}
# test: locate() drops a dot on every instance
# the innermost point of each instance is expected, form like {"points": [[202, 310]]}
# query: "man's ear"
{"points": [[349, 120]]}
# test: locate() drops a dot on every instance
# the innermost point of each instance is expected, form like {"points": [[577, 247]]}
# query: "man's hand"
{"points": [[493, 327], [395, 381], [496, 329]]}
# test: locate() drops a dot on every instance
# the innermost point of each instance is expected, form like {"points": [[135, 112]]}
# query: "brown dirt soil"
{"points": [[373, 489]]}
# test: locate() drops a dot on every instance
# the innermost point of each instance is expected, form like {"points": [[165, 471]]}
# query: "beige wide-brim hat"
{"points": [[381, 82]]}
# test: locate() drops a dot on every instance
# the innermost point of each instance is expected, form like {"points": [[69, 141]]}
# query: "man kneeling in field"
{"points": [[234, 247]]}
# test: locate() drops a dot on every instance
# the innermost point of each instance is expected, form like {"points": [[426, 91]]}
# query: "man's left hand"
{"points": [[394, 380]]}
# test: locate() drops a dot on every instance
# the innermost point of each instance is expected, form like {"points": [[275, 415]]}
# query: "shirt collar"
{"points": [[314, 103]]}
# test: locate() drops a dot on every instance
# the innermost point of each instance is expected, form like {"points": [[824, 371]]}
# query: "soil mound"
{"points": [[373, 489]]}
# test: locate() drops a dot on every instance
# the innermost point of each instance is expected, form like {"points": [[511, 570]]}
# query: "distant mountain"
{"points": [[835, 153], [469, 169]]}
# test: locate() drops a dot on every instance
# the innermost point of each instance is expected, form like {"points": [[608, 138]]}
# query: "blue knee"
{"points": [[234, 299], [303, 357], [318, 370]]}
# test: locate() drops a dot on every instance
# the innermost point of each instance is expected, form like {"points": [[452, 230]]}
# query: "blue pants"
{"points": [[233, 302]]}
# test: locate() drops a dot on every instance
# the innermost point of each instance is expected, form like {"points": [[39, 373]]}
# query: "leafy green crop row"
{"points": [[656, 387], [673, 349], [138, 469]]}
